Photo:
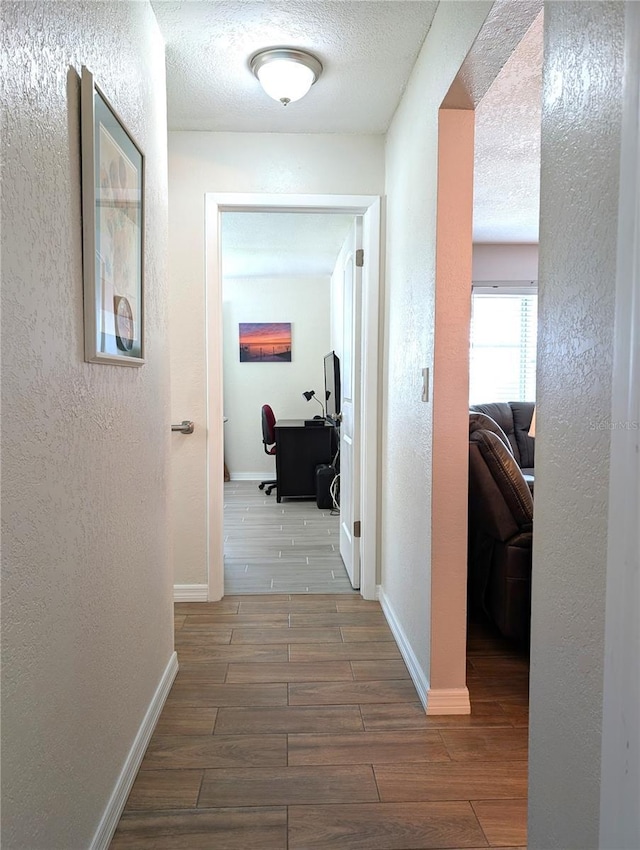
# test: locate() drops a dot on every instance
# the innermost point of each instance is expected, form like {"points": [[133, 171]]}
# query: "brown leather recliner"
{"points": [[514, 417], [500, 530]]}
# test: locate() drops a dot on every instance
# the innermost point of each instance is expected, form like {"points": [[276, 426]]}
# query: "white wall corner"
{"points": [[448, 701], [190, 593], [413, 665], [111, 815]]}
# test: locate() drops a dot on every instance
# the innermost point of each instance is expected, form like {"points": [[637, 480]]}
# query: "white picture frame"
{"points": [[112, 233]]}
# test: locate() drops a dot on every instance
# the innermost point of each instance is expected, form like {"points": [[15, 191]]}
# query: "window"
{"points": [[502, 359]]}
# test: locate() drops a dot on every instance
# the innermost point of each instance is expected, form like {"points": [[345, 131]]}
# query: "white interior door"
{"points": [[350, 404]]}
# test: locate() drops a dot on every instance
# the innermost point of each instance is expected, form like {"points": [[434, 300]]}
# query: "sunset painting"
{"points": [[265, 342]]}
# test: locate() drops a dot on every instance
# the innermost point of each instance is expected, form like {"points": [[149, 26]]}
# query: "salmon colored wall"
{"points": [[448, 693]]}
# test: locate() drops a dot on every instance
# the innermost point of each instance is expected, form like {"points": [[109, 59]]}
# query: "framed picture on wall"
{"points": [[265, 342], [112, 233]]}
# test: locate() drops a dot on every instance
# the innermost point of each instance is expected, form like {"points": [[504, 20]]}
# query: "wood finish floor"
{"points": [[293, 725], [290, 547]]}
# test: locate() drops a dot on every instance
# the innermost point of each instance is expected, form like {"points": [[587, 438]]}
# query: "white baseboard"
{"points": [[448, 701], [190, 593], [413, 665], [111, 815], [252, 476]]}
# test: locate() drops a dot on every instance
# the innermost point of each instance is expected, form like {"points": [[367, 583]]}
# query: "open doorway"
{"points": [[283, 321], [463, 681], [365, 487], [502, 382]]}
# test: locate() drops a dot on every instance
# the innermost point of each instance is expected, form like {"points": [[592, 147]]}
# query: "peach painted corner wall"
{"points": [[199, 163], [450, 417]]}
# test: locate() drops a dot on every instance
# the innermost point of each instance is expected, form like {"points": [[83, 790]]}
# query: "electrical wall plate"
{"points": [[425, 384]]}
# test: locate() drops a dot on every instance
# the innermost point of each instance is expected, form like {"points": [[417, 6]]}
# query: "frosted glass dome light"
{"points": [[286, 74]]}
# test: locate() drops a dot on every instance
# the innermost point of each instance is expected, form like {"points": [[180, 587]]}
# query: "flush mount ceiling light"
{"points": [[285, 73]]}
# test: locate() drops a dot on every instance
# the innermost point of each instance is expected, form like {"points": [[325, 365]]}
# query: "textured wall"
{"points": [[86, 613], [303, 301], [579, 201], [231, 162], [411, 176], [505, 262], [620, 772]]}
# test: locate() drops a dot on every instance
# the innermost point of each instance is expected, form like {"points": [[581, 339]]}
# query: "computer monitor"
{"points": [[332, 385]]}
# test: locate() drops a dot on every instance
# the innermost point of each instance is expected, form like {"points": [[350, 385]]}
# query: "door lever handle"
{"points": [[185, 427]]}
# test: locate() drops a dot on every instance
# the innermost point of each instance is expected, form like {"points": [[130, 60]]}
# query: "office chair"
{"points": [[269, 443]]}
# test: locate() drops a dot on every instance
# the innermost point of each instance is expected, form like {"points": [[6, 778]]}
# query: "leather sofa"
{"points": [[514, 418], [500, 527]]}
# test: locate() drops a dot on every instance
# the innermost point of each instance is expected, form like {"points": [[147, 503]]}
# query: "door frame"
{"points": [[351, 381], [620, 780], [369, 207]]}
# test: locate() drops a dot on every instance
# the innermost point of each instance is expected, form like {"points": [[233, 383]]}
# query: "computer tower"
{"points": [[325, 473]]}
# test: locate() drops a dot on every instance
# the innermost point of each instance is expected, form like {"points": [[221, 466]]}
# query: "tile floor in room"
{"points": [[293, 725], [286, 547]]}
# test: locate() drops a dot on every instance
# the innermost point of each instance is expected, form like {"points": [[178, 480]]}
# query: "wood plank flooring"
{"points": [[286, 547], [312, 738]]}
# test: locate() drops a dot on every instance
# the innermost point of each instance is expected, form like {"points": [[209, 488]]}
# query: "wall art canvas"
{"points": [[113, 226], [265, 342]]}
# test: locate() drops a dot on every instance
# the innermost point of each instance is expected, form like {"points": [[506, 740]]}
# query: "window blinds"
{"points": [[503, 346]]}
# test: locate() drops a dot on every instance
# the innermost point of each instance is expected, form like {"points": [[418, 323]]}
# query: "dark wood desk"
{"points": [[299, 449]]}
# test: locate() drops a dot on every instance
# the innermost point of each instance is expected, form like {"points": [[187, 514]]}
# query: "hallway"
{"points": [[293, 724], [279, 547]]}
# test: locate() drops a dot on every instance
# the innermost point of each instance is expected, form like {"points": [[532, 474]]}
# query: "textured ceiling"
{"points": [[502, 31], [281, 244], [368, 50], [507, 155]]}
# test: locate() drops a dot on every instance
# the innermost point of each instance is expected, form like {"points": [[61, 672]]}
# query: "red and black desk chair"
{"points": [[269, 442]]}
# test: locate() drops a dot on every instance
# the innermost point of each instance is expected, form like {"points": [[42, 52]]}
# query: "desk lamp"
{"points": [[311, 394]]}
